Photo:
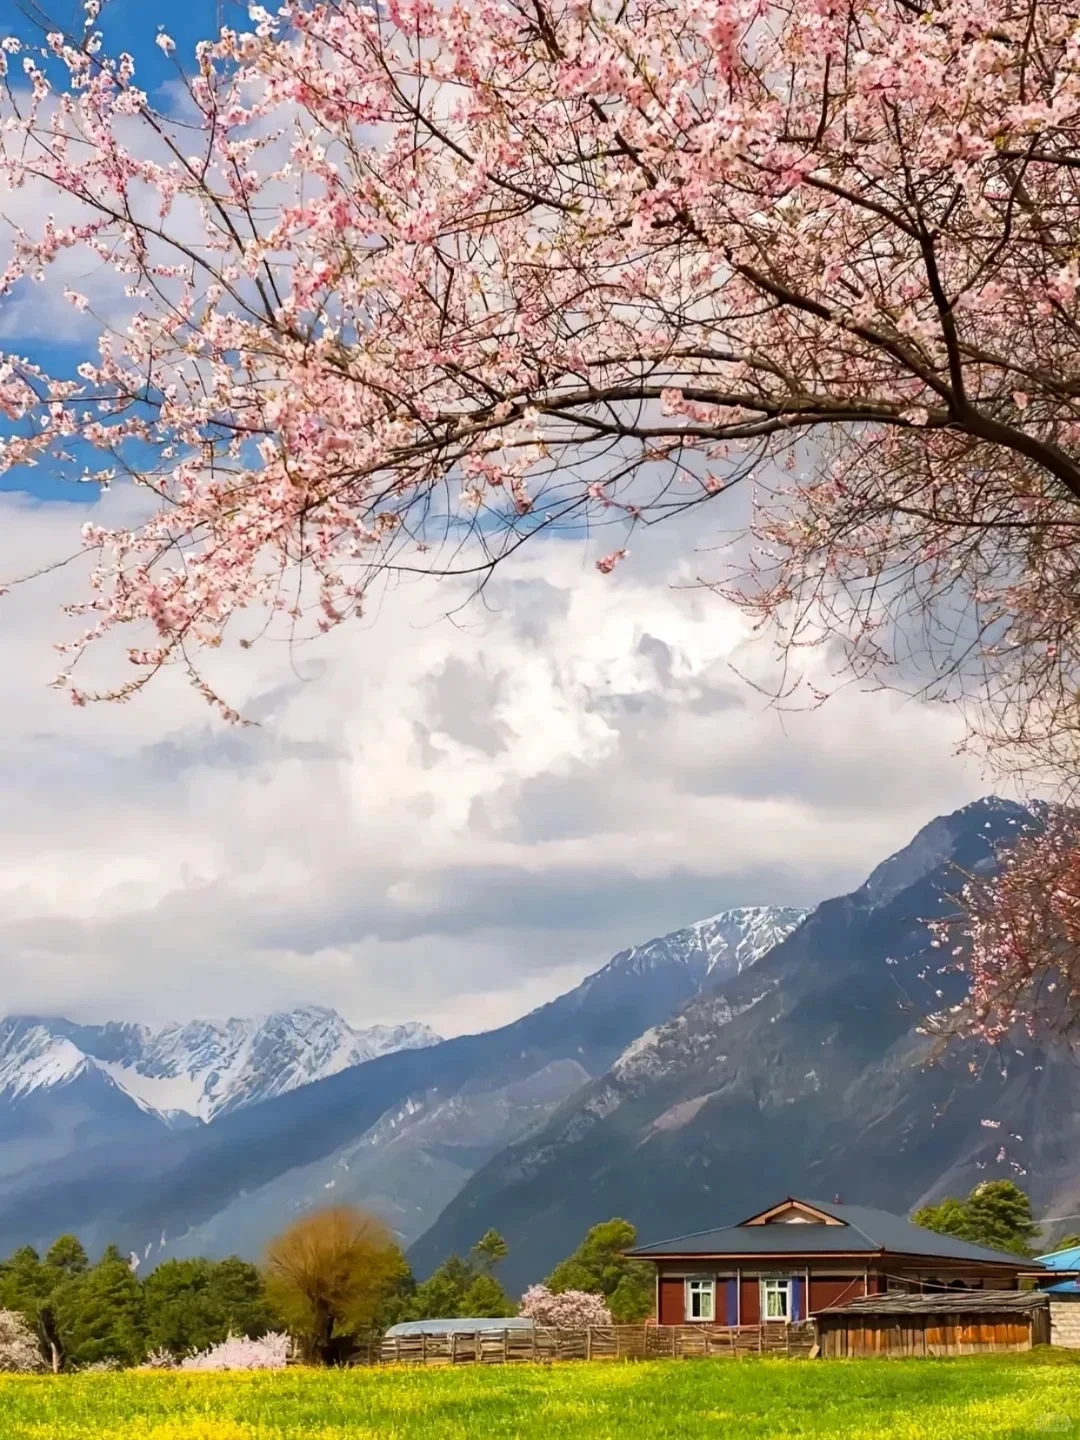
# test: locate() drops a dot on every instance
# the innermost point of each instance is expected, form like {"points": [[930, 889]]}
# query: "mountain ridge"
{"points": [[803, 1074], [198, 1070], [414, 1123]]}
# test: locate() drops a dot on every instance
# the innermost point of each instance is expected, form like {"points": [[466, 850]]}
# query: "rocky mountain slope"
{"points": [[804, 1074], [401, 1133]]}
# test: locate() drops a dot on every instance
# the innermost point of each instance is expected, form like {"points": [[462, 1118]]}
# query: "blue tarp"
{"points": [[1062, 1260]]}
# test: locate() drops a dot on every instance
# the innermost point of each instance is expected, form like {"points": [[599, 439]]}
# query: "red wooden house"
{"points": [[801, 1256]]}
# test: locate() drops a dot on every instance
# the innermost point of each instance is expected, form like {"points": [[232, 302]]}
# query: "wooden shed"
{"points": [[948, 1323]]}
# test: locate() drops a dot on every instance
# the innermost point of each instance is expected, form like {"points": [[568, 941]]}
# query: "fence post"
{"points": [[453, 1347], [506, 1351], [423, 1347], [588, 1342]]}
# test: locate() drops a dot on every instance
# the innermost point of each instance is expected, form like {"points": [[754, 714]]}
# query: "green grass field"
{"points": [[989, 1398]]}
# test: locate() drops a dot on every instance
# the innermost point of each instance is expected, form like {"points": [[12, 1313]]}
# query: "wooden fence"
{"points": [[606, 1342]]}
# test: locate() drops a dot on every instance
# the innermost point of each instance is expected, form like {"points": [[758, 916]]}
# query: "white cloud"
{"points": [[444, 819]]}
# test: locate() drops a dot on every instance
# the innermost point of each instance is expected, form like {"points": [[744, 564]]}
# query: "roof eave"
{"points": [[1025, 1267], [734, 1255]]}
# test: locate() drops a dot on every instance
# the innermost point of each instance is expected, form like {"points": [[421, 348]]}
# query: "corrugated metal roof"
{"points": [[1063, 1259], [460, 1327], [948, 1302], [862, 1231]]}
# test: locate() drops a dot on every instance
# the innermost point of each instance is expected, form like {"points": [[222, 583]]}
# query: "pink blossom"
{"points": [[608, 562], [271, 1352], [566, 1310]]}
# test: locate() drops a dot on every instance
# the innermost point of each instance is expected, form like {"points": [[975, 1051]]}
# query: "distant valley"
{"points": [[400, 1133], [762, 1051]]}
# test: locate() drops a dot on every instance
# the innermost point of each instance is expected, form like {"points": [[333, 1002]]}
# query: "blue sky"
{"points": [[130, 25]]}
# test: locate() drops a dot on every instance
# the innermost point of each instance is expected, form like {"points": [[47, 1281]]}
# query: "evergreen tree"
{"points": [[99, 1315], [458, 1290], [440, 1296], [996, 1214], [489, 1250], [599, 1267], [239, 1292], [66, 1257], [24, 1282], [485, 1297], [195, 1304]]}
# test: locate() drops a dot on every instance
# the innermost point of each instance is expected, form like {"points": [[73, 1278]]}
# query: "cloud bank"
{"points": [[441, 813]]}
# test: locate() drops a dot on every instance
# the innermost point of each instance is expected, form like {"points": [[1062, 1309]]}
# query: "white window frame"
{"points": [[781, 1289], [700, 1288]]}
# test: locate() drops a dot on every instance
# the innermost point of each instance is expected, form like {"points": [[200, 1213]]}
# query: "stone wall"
{"points": [[1065, 1321]]}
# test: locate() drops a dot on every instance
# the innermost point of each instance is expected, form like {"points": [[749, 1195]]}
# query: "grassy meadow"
{"points": [[1007, 1397]]}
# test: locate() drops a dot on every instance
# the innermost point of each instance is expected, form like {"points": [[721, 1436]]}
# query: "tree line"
{"points": [[333, 1279], [336, 1278]]}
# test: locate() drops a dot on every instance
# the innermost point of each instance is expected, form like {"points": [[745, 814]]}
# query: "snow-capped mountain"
{"points": [[199, 1070], [737, 938], [722, 945], [400, 1134], [807, 1073]]}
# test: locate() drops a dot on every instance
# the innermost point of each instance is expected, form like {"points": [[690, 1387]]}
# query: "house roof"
{"points": [[947, 1302], [1062, 1259], [861, 1231]]}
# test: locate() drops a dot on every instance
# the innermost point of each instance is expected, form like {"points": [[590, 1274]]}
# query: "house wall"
{"points": [[831, 1282], [826, 1290], [672, 1306], [1065, 1321], [834, 1285]]}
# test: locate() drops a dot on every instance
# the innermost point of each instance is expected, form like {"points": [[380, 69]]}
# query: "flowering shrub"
{"points": [[570, 1310], [161, 1359], [271, 1352], [19, 1351], [107, 1366]]}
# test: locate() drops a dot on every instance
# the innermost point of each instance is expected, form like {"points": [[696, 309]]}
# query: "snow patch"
{"points": [[39, 1061]]}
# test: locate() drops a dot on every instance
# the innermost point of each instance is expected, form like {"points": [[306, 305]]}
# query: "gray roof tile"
{"points": [[863, 1231]]}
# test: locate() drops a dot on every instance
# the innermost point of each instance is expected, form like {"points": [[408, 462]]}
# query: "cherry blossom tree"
{"points": [[409, 286], [1018, 930], [569, 1310], [19, 1349], [239, 1352]]}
